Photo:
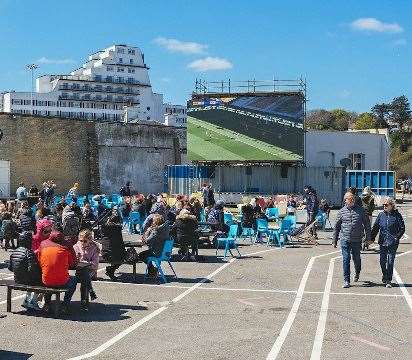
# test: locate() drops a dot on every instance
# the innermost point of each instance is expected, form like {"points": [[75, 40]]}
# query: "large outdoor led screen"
{"points": [[246, 127]]}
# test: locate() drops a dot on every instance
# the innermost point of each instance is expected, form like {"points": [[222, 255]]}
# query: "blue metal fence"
{"points": [[380, 182]]}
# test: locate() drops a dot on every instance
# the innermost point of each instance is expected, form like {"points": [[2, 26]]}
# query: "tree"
{"points": [[319, 120], [381, 112], [366, 121], [343, 119], [400, 111]]}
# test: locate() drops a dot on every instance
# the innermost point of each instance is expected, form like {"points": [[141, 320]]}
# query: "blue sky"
{"points": [[353, 53]]}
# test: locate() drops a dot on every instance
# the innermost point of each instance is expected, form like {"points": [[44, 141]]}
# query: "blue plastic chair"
{"points": [[229, 241], [202, 215], [228, 218], [262, 227], [280, 235], [165, 256], [108, 204], [117, 199], [272, 214], [135, 219], [321, 219], [293, 219], [81, 200], [248, 233], [68, 200]]}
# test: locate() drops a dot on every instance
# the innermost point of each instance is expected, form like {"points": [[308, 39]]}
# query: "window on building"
{"points": [[121, 60], [148, 118], [97, 77], [130, 80], [109, 78], [131, 61], [109, 68], [148, 108], [358, 161], [120, 51], [119, 69], [120, 79], [131, 52]]}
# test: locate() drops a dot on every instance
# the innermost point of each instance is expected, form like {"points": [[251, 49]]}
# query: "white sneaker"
{"points": [[388, 285], [34, 305]]}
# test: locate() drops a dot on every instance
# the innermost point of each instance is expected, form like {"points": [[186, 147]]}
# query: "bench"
{"points": [[11, 285]]}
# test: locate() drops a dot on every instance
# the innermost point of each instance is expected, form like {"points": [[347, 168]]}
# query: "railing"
{"points": [[113, 100], [102, 80], [94, 89]]}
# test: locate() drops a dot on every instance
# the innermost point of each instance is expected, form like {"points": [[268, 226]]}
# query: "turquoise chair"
{"points": [[228, 218], [69, 200], [293, 219], [135, 219], [262, 227], [248, 233], [165, 256], [321, 219], [117, 199], [81, 200], [202, 215], [280, 235], [229, 241], [272, 214], [57, 199]]}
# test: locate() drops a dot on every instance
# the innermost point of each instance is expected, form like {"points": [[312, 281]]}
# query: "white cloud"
{"points": [[344, 94], [400, 42], [45, 60], [375, 25], [210, 63], [184, 47]]}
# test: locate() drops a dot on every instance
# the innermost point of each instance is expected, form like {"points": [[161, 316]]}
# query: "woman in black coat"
{"points": [[113, 250], [184, 230]]}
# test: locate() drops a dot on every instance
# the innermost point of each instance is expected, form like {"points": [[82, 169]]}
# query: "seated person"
{"points": [[87, 251], [55, 261], [155, 237], [248, 218], [26, 268], [184, 230], [216, 218], [113, 250], [291, 205]]}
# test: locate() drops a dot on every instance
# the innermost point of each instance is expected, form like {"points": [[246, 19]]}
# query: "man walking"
{"points": [[351, 223]]}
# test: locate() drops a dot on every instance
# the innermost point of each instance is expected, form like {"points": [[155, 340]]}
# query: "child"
{"points": [[88, 251]]}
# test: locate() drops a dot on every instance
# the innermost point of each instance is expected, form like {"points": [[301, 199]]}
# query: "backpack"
{"points": [[71, 225]]}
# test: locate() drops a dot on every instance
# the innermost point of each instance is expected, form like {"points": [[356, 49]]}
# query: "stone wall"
{"points": [[100, 156]]}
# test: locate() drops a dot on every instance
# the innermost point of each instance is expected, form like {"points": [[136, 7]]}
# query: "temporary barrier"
{"points": [[382, 183], [4, 179], [237, 181]]}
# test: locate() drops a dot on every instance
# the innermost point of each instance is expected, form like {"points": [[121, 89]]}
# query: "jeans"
{"points": [[348, 248], [387, 259], [71, 285], [84, 278]]}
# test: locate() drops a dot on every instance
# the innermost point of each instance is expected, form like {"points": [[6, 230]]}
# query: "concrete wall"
{"points": [[101, 156], [137, 153], [41, 149], [327, 148]]}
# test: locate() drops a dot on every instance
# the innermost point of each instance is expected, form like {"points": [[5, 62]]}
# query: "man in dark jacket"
{"points": [[391, 228], [26, 268], [312, 208], [27, 222], [351, 224]]}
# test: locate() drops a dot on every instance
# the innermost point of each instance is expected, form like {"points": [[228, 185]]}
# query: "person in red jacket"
{"points": [[55, 261]]}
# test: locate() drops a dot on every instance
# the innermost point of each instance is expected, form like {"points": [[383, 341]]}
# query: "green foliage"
{"points": [[366, 121]]}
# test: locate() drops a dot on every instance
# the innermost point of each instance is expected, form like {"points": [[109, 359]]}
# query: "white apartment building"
{"points": [[112, 82], [175, 115]]}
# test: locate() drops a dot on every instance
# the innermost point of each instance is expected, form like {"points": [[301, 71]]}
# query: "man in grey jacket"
{"points": [[351, 224]]}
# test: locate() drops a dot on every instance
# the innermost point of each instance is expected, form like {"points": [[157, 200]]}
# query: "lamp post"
{"points": [[31, 68]]}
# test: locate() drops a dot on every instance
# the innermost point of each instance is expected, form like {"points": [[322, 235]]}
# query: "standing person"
{"points": [[74, 191], [205, 191], [210, 196], [49, 193], [312, 208], [44, 191], [368, 203], [391, 228], [21, 192], [351, 224]]}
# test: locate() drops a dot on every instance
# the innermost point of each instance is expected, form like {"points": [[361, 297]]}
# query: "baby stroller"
{"points": [[302, 234]]}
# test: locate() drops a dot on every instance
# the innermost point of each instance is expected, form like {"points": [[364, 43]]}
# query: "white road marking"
{"points": [[248, 302], [405, 292], [274, 352], [371, 343], [150, 316], [320, 330]]}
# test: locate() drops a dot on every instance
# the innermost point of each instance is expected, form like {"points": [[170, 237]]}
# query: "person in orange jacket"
{"points": [[55, 260]]}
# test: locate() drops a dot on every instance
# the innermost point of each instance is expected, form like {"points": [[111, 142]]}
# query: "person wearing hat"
{"points": [[368, 204]]}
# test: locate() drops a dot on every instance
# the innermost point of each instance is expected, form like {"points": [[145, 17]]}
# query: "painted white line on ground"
{"points": [[150, 316], [371, 343], [404, 253], [405, 292], [247, 302], [274, 352], [320, 330]]}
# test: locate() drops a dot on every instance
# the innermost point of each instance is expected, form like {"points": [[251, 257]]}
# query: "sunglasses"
{"points": [[384, 205]]}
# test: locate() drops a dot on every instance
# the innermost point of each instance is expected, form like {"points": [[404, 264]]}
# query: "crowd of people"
{"points": [[50, 236]]}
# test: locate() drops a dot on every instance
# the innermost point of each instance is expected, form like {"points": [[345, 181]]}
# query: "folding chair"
{"points": [[228, 218], [272, 214], [165, 256], [262, 227], [282, 232], [229, 241]]}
